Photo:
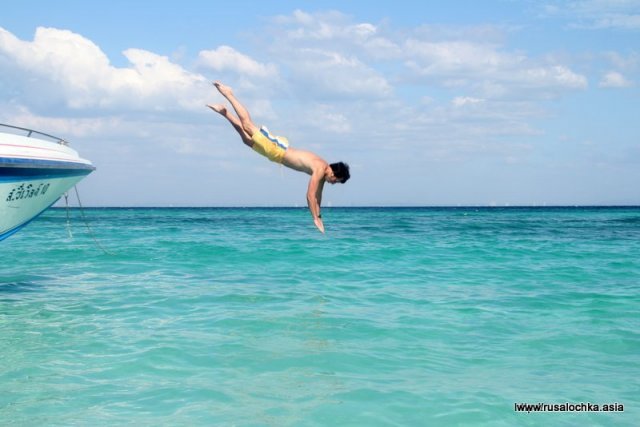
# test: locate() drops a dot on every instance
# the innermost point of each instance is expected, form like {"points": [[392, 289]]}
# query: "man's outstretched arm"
{"points": [[314, 197]]}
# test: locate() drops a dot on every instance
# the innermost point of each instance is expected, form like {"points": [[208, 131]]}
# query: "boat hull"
{"points": [[34, 174]]}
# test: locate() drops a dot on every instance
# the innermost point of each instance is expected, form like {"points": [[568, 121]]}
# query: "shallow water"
{"points": [[398, 316]]}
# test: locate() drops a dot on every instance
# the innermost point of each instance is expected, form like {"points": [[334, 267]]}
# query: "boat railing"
{"points": [[34, 133]]}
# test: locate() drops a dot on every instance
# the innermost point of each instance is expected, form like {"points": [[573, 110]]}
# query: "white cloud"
{"points": [[72, 68], [458, 57], [628, 62], [551, 76], [629, 22], [324, 26], [461, 101], [599, 14], [326, 117], [225, 58], [613, 79], [325, 55], [484, 65], [324, 73]]}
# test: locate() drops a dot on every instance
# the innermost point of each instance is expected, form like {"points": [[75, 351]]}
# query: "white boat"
{"points": [[36, 169]]}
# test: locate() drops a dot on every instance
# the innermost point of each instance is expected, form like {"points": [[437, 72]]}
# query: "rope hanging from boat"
{"points": [[66, 205], [86, 223]]}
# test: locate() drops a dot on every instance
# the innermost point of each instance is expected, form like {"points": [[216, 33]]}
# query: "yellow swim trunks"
{"points": [[272, 147]]}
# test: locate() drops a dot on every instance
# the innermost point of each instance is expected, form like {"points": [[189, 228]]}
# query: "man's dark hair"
{"points": [[341, 171]]}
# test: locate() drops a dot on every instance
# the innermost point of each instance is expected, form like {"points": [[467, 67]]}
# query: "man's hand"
{"points": [[319, 224]]}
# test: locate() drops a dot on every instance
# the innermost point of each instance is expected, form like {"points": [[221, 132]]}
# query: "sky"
{"points": [[434, 103]]}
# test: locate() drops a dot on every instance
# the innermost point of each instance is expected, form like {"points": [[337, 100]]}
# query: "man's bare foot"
{"points": [[218, 108], [223, 89]]}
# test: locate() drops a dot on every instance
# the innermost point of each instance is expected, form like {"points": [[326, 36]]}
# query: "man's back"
{"points": [[304, 161]]}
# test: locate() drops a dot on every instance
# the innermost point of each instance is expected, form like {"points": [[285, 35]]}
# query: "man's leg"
{"points": [[245, 119], [222, 110]]}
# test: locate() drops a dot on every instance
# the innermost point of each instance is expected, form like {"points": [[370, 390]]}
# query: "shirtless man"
{"points": [[276, 149]]}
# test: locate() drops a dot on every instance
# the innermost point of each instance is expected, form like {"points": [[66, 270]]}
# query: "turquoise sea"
{"points": [[250, 317]]}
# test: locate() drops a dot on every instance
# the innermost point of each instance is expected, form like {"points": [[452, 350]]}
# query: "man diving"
{"points": [[277, 149]]}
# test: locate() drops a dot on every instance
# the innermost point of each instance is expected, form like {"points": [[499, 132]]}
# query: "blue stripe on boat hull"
{"points": [[25, 174]]}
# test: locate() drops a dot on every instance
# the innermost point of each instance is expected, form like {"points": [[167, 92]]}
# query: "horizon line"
{"points": [[351, 206]]}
